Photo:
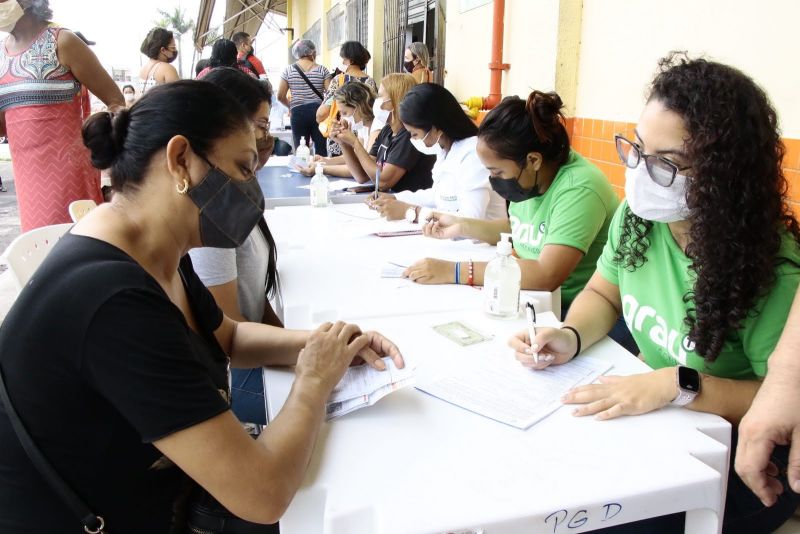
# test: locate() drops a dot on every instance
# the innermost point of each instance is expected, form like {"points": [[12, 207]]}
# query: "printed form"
{"points": [[499, 388], [364, 385]]}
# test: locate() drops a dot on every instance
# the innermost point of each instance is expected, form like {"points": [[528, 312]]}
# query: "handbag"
{"points": [[92, 524], [333, 114], [207, 516]]}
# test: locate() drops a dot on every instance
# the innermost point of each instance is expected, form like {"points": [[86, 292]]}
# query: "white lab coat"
{"points": [[460, 185]]}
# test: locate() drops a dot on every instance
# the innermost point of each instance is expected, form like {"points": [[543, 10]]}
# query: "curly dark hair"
{"points": [[736, 195]]}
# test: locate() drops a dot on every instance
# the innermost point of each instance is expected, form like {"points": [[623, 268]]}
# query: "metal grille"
{"points": [[357, 21], [314, 33], [336, 25], [395, 20]]}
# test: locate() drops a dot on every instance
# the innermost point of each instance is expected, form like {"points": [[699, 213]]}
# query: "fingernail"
{"points": [[380, 365], [549, 358], [535, 346], [528, 351]]}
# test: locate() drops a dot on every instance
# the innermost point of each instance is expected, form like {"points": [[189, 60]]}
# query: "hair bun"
{"points": [[104, 135], [545, 112]]}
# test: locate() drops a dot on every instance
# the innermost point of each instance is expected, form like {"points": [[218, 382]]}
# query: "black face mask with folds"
{"points": [[512, 191], [409, 66], [229, 209]]}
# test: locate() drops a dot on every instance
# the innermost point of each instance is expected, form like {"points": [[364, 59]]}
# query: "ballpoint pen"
{"points": [[531, 313]]}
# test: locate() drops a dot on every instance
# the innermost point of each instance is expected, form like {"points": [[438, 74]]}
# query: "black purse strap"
{"points": [[92, 523], [311, 85]]}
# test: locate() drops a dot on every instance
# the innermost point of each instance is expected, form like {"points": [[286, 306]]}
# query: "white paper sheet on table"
{"points": [[363, 386], [358, 211], [278, 161], [499, 388]]}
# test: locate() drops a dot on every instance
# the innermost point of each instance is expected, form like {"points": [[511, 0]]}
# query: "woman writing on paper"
{"points": [[392, 157], [702, 262], [439, 127], [560, 205]]}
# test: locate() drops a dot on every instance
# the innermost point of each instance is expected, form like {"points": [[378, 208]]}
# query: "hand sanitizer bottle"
{"points": [[319, 189], [501, 282], [303, 155]]}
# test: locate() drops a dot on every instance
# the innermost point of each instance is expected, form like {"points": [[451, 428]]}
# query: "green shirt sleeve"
{"points": [[579, 217], [763, 326], [606, 266]]}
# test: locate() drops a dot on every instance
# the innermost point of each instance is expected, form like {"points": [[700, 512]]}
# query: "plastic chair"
{"points": [[24, 255], [79, 208]]}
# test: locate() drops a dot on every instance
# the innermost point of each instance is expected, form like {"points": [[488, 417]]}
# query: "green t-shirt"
{"points": [[654, 310], [574, 211]]}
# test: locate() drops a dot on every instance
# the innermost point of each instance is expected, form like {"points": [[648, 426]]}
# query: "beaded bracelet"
{"points": [[471, 279], [577, 338], [458, 272]]}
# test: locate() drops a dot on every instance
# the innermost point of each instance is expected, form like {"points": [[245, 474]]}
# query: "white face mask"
{"points": [[420, 145], [129, 97], [10, 13], [353, 124], [343, 67], [653, 202], [380, 114]]}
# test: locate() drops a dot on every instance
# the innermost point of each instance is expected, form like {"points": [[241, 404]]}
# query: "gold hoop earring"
{"points": [[184, 189]]}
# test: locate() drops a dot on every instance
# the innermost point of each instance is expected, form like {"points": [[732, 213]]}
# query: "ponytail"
{"points": [[516, 128]]}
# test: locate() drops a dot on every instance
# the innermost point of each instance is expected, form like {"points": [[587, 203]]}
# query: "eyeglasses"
{"points": [[264, 124], [661, 170]]}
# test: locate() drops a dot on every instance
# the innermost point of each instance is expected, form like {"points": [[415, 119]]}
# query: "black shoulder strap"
{"points": [[311, 85], [92, 523]]}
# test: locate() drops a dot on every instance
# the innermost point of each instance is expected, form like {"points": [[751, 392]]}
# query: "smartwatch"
{"points": [[688, 382]]}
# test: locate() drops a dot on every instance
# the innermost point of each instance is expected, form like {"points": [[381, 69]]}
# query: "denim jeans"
{"points": [[247, 396], [304, 124]]}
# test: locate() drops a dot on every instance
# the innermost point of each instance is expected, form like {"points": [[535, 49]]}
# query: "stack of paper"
{"points": [[499, 388], [363, 386]]}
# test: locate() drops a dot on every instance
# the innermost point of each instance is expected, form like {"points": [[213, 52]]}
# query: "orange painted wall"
{"points": [[594, 139]]}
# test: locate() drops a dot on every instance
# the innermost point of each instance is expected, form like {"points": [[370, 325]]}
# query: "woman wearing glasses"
{"points": [[243, 278], [702, 261]]}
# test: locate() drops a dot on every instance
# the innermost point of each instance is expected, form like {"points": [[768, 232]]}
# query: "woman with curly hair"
{"points": [[702, 261]]}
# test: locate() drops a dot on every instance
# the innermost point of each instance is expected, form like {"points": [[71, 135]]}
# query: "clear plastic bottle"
{"points": [[501, 282], [319, 188], [302, 155]]}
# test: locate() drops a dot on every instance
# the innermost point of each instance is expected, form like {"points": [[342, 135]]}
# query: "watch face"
{"points": [[688, 379]]}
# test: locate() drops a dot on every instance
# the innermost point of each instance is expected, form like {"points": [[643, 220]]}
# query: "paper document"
{"points": [[278, 161], [393, 270], [499, 388], [358, 211], [363, 386]]}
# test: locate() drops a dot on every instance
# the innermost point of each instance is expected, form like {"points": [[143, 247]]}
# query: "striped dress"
{"points": [[42, 103]]}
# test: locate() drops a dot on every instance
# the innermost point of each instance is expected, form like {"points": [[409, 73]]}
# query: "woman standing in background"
{"points": [[159, 46], [42, 71], [417, 61]]}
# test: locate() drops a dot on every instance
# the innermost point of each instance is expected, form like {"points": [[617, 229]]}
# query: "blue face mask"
{"points": [[229, 209]]}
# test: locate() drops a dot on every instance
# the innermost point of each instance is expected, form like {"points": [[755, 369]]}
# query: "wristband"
{"points": [[458, 273], [577, 338], [471, 278]]}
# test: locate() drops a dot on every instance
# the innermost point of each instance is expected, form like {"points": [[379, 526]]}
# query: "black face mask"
{"points": [[512, 191], [409, 66], [229, 209]]}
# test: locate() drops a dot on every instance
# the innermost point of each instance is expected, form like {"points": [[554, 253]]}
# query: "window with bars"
{"points": [[395, 21], [358, 21], [335, 19], [314, 33]]}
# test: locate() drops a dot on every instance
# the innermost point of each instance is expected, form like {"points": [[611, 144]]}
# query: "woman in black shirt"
{"points": [[115, 355], [402, 167]]}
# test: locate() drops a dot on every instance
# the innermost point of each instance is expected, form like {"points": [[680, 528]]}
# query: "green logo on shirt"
{"points": [[646, 320], [527, 234]]}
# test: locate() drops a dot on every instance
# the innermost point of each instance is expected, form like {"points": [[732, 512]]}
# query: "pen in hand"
{"points": [[531, 314]]}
